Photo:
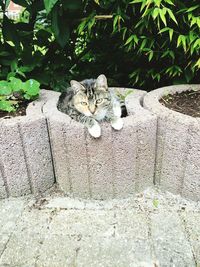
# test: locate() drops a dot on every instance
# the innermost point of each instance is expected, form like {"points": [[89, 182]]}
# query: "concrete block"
{"points": [[116, 165], [25, 156], [178, 145]]}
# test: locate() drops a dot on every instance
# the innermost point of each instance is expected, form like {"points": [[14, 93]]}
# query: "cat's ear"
{"points": [[101, 82], [76, 86]]}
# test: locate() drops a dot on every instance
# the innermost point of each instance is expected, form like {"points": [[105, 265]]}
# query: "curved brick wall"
{"points": [[178, 145], [25, 156], [116, 165]]}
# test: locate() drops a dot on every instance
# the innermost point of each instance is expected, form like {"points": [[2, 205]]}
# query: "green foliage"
{"points": [[122, 96], [137, 43], [14, 91]]}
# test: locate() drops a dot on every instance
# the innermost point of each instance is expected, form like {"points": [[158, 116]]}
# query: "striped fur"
{"points": [[89, 102]]}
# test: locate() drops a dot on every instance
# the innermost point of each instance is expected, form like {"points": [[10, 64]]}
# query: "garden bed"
{"points": [[21, 111], [117, 164], [25, 156], [178, 139], [187, 102]]}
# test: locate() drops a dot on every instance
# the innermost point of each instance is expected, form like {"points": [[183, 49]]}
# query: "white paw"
{"points": [[117, 124], [117, 110], [95, 131]]}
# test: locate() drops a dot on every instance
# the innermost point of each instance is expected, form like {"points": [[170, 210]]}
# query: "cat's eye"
{"points": [[98, 101], [84, 103]]}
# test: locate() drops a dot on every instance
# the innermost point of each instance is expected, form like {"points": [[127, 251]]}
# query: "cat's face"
{"points": [[92, 97]]}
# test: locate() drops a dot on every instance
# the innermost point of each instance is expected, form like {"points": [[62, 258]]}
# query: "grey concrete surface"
{"points": [[152, 229], [117, 164], [25, 157], [178, 145]]}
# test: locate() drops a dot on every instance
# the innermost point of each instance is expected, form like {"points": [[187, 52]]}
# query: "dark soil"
{"points": [[21, 111], [124, 111], [186, 102]]}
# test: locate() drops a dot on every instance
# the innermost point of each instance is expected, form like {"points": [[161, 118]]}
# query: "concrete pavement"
{"points": [[153, 229]]}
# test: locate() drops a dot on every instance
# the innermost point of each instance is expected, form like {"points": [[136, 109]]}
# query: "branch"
{"points": [[98, 17]]}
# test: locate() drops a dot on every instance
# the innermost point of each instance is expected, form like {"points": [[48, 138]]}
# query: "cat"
{"points": [[91, 101]]}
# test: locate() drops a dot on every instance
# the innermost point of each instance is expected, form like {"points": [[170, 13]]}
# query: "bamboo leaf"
{"points": [[164, 30], [162, 16], [171, 31], [129, 39], [150, 55], [192, 8], [155, 13], [136, 1], [171, 14], [170, 2]]}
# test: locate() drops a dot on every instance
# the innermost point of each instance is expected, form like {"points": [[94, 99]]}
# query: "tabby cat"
{"points": [[90, 102]]}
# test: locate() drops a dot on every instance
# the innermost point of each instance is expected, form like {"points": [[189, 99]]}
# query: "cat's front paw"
{"points": [[95, 130], [117, 124]]}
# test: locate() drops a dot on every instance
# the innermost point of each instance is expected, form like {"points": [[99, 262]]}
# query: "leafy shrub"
{"points": [[140, 43], [14, 91]]}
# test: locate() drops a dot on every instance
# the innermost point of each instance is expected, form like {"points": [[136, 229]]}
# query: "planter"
{"points": [[178, 145], [25, 156], [117, 164]]}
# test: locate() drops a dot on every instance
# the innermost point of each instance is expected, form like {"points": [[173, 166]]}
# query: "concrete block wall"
{"points": [[178, 145], [25, 156], [117, 164]]}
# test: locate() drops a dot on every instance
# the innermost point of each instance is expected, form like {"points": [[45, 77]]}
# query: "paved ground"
{"points": [[152, 229]]}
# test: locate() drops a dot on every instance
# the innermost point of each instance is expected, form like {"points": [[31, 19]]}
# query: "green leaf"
{"points": [[7, 3], [6, 106], [49, 4], [171, 53], [136, 1], [143, 44], [196, 43], [162, 16], [197, 64], [10, 32], [170, 2], [115, 22], [5, 88], [157, 2], [82, 26], [60, 27], [172, 15], [192, 8], [129, 39], [179, 40], [164, 30], [150, 55], [155, 12], [171, 31], [91, 24], [182, 40], [4, 53], [32, 87], [135, 38], [11, 74], [72, 4], [16, 84]]}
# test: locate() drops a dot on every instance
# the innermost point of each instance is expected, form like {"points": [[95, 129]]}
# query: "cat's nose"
{"points": [[92, 109]]}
